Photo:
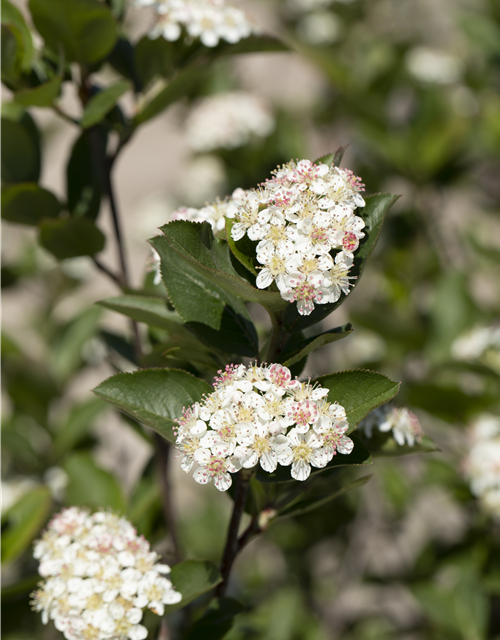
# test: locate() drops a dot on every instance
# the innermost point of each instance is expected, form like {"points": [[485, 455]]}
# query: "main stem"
{"points": [[242, 484]]}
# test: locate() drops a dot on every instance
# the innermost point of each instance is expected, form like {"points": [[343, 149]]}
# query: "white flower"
{"points": [[433, 66], [480, 343], [96, 571], [403, 424]]}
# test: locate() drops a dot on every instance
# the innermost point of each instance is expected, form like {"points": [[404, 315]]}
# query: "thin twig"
{"points": [[102, 267], [64, 115], [163, 458]]}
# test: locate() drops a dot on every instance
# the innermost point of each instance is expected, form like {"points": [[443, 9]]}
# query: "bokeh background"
{"points": [[412, 86]]}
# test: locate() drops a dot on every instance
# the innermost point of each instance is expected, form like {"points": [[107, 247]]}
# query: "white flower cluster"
{"points": [[403, 424], [215, 213], [99, 576], [208, 20], [482, 465], [480, 343], [227, 121], [298, 216], [259, 415]]}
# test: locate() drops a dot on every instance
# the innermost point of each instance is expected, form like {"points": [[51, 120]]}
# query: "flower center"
{"points": [[261, 444], [302, 452]]}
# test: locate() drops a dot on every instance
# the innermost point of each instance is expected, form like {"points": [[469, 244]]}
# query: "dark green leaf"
{"points": [[83, 181], [192, 578], [41, 96], [358, 456], [211, 257], [27, 203], [21, 155], [152, 311], [101, 103], [332, 159], [122, 59], [12, 55], [71, 237], [373, 214], [85, 29], [91, 486], [11, 16], [153, 59], [214, 315], [217, 622], [244, 250], [156, 397], [359, 392], [24, 521], [293, 351], [120, 345], [66, 353], [77, 425]]}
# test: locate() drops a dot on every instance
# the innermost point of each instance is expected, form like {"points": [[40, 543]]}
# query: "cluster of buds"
{"points": [[99, 577], [208, 20], [400, 421], [259, 415], [298, 217]]}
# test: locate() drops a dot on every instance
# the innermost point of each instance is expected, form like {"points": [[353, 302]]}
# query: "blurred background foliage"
{"points": [[413, 88]]}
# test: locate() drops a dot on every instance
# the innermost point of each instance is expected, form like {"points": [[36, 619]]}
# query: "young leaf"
{"points": [[91, 486], [358, 391], [24, 521], [71, 237], [294, 351], [333, 159], [217, 622], [192, 578], [85, 29], [27, 203], [100, 104], [21, 154], [41, 96], [216, 316], [373, 214], [155, 397]]}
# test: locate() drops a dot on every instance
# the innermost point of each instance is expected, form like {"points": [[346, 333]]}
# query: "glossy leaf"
{"points": [[192, 578], [71, 237], [358, 391], [293, 351], [91, 486], [41, 96], [24, 521], [216, 316], [100, 104], [21, 155], [11, 16], [85, 29], [373, 214], [217, 622], [155, 397], [27, 203]]}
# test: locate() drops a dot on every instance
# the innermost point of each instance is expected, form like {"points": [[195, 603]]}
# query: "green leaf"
{"points": [[216, 316], [244, 250], [217, 622], [77, 425], [253, 44], [155, 397], [83, 181], [373, 214], [11, 16], [180, 86], [211, 257], [85, 29], [333, 159], [71, 237], [91, 486], [294, 351], [144, 499], [24, 521], [41, 96], [102, 103], [358, 456], [153, 59], [318, 502], [192, 578], [359, 392], [390, 447], [12, 54], [27, 203], [152, 311], [21, 154]]}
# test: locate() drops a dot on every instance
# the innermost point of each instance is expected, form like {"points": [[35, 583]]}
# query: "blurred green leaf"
{"points": [[11, 16], [192, 578], [358, 391], [83, 181], [12, 55], [41, 96], [155, 397], [146, 495], [217, 622], [216, 316], [373, 214], [24, 521], [253, 44], [71, 237], [333, 159], [77, 425], [85, 29], [391, 448], [90, 486], [153, 59], [101, 103], [293, 351], [27, 203], [152, 311], [21, 155]]}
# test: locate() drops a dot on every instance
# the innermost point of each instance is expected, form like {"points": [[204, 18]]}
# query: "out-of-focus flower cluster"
{"points": [[400, 421], [479, 344], [482, 465], [99, 576], [227, 121], [298, 216], [208, 20], [260, 415], [215, 213]]}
